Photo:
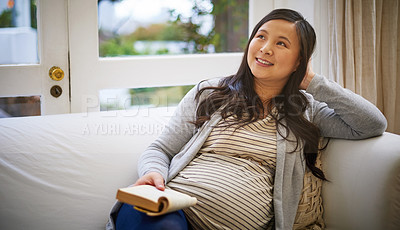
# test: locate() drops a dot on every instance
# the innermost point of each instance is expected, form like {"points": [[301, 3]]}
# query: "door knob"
{"points": [[56, 73]]}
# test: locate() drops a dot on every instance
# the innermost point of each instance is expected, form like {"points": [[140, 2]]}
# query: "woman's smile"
{"points": [[263, 62]]}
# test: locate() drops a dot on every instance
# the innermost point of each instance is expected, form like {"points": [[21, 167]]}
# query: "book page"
{"points": [[174, 201]]}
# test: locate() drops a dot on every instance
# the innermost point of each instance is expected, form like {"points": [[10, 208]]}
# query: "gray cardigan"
{"points": [[338, 112]]}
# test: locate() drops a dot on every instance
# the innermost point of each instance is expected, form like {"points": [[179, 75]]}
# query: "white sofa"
{"points": [[63, 171]]}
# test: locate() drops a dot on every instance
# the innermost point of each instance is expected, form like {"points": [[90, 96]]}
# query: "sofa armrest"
{"points": [[364, 187]]}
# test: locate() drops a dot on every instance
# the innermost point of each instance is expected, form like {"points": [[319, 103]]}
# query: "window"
{"points": [[176, 27], [138, 27]]}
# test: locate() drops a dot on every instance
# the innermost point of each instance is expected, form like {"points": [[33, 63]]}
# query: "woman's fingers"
{"points": [[152, 178]]}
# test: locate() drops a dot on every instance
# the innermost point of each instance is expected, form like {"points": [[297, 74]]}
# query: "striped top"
{"points": [[232, 178]]}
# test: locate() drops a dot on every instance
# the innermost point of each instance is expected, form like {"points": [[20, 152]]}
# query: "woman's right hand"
{"points": [[152, 178]]}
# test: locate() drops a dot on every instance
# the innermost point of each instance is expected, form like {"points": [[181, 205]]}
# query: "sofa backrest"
{"points": [[63, 171]]}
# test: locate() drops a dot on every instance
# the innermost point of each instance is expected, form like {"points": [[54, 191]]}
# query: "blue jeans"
{"points": [[130, 218]]}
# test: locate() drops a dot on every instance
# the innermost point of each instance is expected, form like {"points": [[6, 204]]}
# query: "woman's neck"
{"points": [[267, 91]]}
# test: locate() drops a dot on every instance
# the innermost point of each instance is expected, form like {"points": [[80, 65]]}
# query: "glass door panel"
{"points": [[18, 32], [19, 106]]}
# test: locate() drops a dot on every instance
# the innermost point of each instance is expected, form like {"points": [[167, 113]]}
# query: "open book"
{"points": [[149, 199]]}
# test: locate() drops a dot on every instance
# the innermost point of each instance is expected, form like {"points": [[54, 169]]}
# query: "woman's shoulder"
{"points": [[211, 82], [200, 86], [308, 96]]}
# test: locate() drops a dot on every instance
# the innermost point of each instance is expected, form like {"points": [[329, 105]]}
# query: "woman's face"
{"points": [[274, 52]]}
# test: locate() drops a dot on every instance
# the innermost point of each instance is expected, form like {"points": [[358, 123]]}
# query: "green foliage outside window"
{"points": [[6, 16]]}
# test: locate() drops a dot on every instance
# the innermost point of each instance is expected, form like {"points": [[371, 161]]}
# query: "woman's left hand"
{"points": [[309, 76]]}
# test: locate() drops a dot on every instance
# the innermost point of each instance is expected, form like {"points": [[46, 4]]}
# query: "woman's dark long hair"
{"points": [[235, 95]]}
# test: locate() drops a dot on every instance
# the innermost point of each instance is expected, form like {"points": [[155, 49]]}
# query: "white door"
{"points": [[33, 79]]}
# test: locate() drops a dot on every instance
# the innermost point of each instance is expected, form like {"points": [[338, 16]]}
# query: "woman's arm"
{"points": [[178, 131], [340, 113]]}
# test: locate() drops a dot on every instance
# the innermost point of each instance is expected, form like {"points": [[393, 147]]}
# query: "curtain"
{"points": [[364, 52]]}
